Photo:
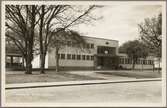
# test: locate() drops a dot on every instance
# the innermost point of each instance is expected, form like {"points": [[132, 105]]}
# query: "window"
{"points": [[78, 57], [141, 61], [126, 61], [73, 56], [87, 57], [130, 61], [68, 56], [119, 60], [88, 46], [150, 62], [62, 56], [92, 45], [83, 57], [92, 57], [123, 60]]}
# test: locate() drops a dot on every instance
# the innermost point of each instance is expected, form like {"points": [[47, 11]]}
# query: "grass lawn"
{"points": [[134, 74], [50, 76]]}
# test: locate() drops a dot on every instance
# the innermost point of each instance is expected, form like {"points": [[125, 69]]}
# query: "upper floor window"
{"points": [[92, 45], [88, 46]]}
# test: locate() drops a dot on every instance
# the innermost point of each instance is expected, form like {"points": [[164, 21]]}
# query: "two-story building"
{"points": [[97, 53]]}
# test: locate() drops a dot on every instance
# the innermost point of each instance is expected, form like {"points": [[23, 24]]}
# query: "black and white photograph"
{"points": [[83, 53]]}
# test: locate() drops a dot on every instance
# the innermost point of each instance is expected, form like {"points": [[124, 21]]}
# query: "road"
{"points": [[134, 92]]}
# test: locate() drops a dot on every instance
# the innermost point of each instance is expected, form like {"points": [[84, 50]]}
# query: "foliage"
{"points": [[151, 34], [135, 50]]}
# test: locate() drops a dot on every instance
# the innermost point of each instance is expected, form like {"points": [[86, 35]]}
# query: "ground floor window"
{"points": [[139, 61], [76, 57]]}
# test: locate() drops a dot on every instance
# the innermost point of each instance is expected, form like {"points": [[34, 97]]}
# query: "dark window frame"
{"points": [[83, 57], [69, 56], [87, 57], [62, 56], [78, 57], [73, 56]]}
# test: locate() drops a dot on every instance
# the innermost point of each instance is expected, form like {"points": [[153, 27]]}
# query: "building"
{"points": [[98, 53]]}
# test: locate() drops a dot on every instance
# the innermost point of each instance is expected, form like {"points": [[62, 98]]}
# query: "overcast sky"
{"points": [[119, 22]]}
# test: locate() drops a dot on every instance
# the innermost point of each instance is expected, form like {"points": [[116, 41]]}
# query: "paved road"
{"points": [[135, 92]]}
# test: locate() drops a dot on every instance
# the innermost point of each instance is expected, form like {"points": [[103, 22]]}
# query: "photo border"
{"points": [[2, 42]]}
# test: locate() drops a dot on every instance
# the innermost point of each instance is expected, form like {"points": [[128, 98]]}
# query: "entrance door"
{"points": [[104, 62]]}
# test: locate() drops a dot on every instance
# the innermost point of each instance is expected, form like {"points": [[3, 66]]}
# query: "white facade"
{"points": [[74, 57], [80, 51]]}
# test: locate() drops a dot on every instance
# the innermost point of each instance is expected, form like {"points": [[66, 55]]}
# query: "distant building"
{"points": [[98, 53]]}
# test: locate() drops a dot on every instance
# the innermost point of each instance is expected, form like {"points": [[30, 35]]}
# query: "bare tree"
{"points": [[20, 23], [53, 17]]}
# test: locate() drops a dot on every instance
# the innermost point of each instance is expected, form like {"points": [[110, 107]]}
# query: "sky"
{"points": [[118, 22]]}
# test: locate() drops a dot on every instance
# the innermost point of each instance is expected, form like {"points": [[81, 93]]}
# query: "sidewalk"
{"points": [[73, 83]]}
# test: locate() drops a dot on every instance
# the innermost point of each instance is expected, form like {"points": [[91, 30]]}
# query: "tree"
{"points": [[65, 37], [37, 24], [135, 50], [20, 23], [151, 34], [52, 18]]}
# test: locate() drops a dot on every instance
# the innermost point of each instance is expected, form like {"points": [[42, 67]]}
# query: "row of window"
{"points": [[129, 61], [76, 57], [72, 44]]}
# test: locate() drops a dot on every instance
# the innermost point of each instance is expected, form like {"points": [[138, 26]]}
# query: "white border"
{"points": [[2, 55], [163, 3], [164, 55]]}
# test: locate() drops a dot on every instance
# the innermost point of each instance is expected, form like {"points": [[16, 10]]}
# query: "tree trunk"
{"points": [[42, 55], [42, 65], [142, 65], [57, 59], [28, 66], [30, 41], [133, 64]]}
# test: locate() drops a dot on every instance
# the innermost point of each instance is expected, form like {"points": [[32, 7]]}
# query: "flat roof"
{"points": [[100, 38]]}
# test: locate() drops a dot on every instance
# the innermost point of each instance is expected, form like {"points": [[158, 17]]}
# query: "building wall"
{"points": [[80, 51], [36, 62]]}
